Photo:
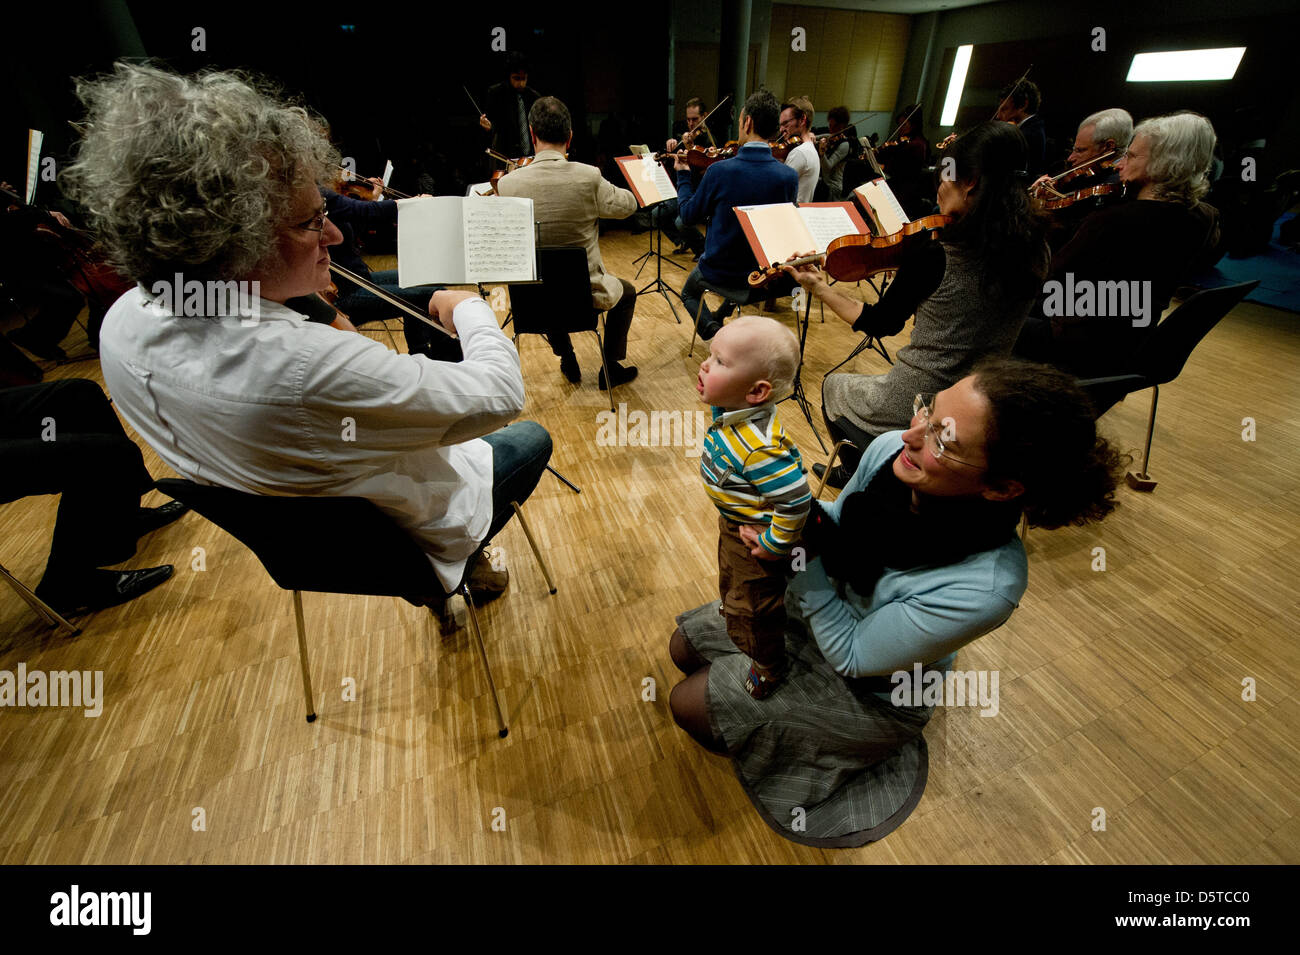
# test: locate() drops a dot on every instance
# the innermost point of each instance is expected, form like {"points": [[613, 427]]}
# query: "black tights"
{"points": [[689, 700]]}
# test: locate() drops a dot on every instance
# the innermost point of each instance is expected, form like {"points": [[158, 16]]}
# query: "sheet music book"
{"points": [[34, 139], [647, 179], [783, 229], [882, 206], [452, 240]]}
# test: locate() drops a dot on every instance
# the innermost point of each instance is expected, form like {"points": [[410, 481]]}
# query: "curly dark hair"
{"points": [[1000, 229], [764, 111], [1042, 433]]}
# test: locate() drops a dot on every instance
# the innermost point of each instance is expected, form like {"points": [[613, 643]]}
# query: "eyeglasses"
{"points": [[921, 408], [1130, 154], [315, 224]]}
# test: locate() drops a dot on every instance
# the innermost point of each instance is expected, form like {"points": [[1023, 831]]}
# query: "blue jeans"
{"points": [[362, 306], [693, 292], [664, 216], [520, 453]]}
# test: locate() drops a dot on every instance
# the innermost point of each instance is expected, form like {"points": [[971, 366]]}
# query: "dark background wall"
{"points": [[1260, 101], [391, 84]]}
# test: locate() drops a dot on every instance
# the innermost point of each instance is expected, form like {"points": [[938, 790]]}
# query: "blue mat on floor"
{"points": [[1278, 271]]}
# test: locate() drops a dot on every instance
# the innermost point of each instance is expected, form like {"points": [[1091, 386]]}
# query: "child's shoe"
{"points": [[762, 682]]}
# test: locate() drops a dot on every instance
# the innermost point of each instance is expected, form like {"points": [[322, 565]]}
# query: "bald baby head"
{"points": [[768, 350]]}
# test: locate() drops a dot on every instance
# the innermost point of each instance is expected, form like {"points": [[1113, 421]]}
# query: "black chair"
{"points": [[312, 543], [1161, 359], [560, 301]]}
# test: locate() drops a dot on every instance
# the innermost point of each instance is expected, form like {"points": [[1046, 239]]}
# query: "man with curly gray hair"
{"points": [[209, 184]]}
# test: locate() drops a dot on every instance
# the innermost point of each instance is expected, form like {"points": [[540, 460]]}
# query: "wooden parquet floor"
{"points": [[1120, 689]]}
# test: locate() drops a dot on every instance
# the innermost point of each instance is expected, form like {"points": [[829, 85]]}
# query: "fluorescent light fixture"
{"points": [[1181, 65], [956, 85]]}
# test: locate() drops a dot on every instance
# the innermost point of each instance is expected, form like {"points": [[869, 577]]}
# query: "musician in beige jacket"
{"points": [[568, 199]]}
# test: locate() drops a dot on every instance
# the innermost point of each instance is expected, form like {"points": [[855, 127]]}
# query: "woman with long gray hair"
{"points": [[1147, 246]]}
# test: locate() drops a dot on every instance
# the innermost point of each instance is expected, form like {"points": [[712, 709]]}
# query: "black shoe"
{"points": [[621, 374], [30, 339], [569, 368], [838, 476], [153, 518], [708, 329], [101, 589], [681, 249]]}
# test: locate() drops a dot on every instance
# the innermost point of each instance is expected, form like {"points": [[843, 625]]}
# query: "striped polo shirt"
{"points": [[754, 474]]}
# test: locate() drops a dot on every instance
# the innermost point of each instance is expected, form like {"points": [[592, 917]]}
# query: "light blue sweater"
{"points": [[923, 615]]}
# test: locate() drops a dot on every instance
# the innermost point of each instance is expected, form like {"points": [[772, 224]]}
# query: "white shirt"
{"points": [[283, 406], [804, 160]]}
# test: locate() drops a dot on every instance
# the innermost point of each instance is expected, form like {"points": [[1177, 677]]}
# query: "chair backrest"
{"points": [[339, 545], [1162, 357], [562, 302]]}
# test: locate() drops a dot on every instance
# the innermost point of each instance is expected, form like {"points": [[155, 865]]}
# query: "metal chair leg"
{"points": [[302, 656], [502, 729], [519, 513], [1142, 481], [830, 464], [604, 366], [42, 609], [696, 330]]}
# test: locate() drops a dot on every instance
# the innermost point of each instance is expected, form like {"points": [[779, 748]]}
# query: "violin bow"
{"points": [[1047, 186], [706, 116], [909, 116], [385, 190], [390, 299], [1084, 165], [1012, 92], [947, 140]]}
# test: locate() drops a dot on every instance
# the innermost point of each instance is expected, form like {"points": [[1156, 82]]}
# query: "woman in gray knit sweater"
{"points": [[970, 291]]}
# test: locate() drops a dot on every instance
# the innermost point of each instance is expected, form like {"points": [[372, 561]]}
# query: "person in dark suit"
{"points": [[1019, 105], [507, 108], [64, 438], [753, 177]]}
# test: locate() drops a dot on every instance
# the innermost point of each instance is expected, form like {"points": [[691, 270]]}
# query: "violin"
{"points": [[852, 258], [894, 142], [511, 166], [393, 300], [79, 259], [702, 157], [1088, 192], [1045, 191], [782, 147], [354, 187]]}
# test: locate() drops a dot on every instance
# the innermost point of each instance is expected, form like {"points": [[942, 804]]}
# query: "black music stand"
{"points": [[656, 251], [798, 395]]}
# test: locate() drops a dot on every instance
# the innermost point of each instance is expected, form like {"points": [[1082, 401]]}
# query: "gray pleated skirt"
{"points": [[824, 765]]}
